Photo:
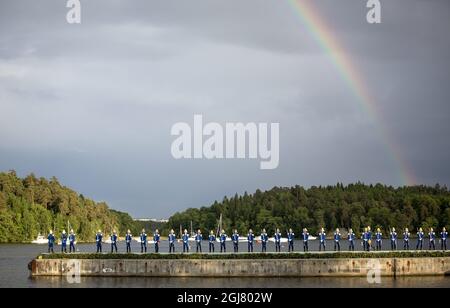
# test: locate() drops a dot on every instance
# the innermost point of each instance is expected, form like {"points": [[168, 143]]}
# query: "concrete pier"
{"points": [[333, 267]]}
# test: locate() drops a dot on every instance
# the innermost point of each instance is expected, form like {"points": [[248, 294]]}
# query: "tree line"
{"points": [[339, 206], [31, 205]]}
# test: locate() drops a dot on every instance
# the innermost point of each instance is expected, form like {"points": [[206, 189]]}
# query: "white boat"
{"points": [[40, 239], [243, 239], [227, 240], [282, 240]]}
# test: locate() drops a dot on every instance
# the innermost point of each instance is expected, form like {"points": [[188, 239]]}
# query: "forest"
{"points": [[32, 205], [339, 206]]}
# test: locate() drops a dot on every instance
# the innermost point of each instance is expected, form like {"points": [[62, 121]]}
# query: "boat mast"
{"points": [[219, 225]]}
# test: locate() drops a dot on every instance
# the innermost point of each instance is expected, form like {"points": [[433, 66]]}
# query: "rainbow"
{"points": [[321, 33]]}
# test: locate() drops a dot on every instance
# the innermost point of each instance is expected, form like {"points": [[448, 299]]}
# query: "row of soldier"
{"points": [[366, 238]]}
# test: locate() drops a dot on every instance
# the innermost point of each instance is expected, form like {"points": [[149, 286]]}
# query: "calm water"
{"points": [[15, 257]]}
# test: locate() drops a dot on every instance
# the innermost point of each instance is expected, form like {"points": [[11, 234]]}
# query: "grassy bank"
{"points": [[229, 256]]}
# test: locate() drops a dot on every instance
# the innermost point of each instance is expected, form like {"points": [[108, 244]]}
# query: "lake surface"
{"points": [[14, 259]]}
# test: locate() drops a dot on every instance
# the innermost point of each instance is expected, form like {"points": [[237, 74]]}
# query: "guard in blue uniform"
{"points": [[364, 239], [369, 239], [351, 237], [64, 241], [393, 237], [444, 236], [128, 239], [277, 238], [322, 239], [156, 240], [420, 236], [212, 241], [250, 240], [113, 239], [432, 237], [235, 239], [51, 241], [223, 241], [198, 241], [305, 236], [291, 237], [378, 239], [337, 240], [185, 239], [72, 240], [98, 240], [143, 239], [172, 239], [264, 239], [406, 235]]}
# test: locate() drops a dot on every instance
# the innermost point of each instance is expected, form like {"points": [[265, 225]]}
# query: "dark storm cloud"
{"points": [[93, 104]]}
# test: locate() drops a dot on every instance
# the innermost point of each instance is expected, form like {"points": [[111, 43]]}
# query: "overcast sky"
{"points": [[93, 104]]}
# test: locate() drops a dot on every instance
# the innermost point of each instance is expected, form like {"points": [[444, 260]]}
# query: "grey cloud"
{"points": [[93, 104]]}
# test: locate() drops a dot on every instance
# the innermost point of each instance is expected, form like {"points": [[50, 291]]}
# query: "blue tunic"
{"points": [[264, 238], [432, 236], [172, 238], [143, 238], [406, 236], [322, 236], [250, 237], [277, 237], [351, 237], [51, 239], [64, 239], [157, 237], [235, 238], [393, 236], [291, 236], [420, 235], [337, 237], [305, 236], [379, 236]]}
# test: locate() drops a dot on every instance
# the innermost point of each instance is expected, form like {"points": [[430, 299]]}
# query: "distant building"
{"points": [[152, 220]]}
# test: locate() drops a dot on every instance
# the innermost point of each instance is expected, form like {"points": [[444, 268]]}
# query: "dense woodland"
{"points": [[34, 205], [339, 206]]}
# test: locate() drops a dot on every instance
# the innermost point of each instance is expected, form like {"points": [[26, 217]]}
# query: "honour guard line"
{"points": [[366, 240]]}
